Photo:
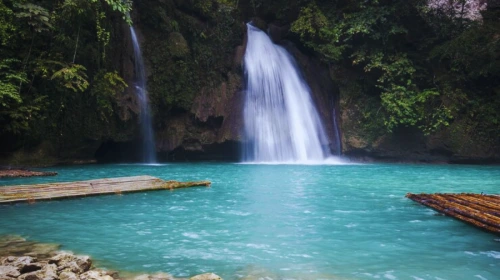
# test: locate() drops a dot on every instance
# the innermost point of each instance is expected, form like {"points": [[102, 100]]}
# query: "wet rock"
{"points": [[30, 276], [143, 277], [7, 272], [68, 275], [157, 276], [91, 275], [206, 276], [162, 276], [16, 173], [48, 272], [95, 275], [43, 250], [14, 245], [23, 264], [72, 263]]}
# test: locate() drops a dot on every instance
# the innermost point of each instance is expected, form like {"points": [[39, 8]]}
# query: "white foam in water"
{"points": [[191, 235], [281, 122], [492, 254]]}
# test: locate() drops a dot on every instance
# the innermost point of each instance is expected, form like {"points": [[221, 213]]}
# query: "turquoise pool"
{"points": [[279, 221]]}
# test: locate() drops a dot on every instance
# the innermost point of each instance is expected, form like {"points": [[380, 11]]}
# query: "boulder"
{"points": [[68, 275], [162, 276], [206, 276], [23, 264], [7, 272], [95, 275], [91, 275], [72, 263], [48, 272], [30, 276], [143, 277]]}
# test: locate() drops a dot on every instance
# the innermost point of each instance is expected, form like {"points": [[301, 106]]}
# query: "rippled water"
{"points": [[281, 221]]}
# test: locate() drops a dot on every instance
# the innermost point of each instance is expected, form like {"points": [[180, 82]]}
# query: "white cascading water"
{"points": [[148, 141], [281, 121]]}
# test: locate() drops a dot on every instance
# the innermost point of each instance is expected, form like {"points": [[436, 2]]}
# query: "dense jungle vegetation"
{"points": [[428, 64]]}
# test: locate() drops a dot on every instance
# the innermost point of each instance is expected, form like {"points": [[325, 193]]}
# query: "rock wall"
{"points": [[193, 51], [195, 79], [365, 138]]}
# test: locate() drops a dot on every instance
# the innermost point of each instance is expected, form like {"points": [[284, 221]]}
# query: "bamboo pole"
{"points": [[32, 193], [477, 209]]}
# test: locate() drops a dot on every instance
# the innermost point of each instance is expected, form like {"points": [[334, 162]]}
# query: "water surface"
{"points": [[281, 221]]}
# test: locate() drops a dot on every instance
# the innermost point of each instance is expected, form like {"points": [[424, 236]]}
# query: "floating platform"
{"points": [[17, 173], [33, 193], [477, 209]]}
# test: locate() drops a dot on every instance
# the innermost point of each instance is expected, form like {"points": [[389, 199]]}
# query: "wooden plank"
{"points": [[32, 193], [479, 210]]}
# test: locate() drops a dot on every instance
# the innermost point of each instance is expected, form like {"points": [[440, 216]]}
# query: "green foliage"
{"points": [[423, 65], [71, 76], [7, 26], [16, 113], [401, 98], [37, 17], [9, 83], [195, 56], [48, 49], [105, 86]]}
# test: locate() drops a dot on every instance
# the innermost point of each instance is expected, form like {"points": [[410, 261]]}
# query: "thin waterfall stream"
{"points": [[148, 141], [281, 121], [336, 132]]}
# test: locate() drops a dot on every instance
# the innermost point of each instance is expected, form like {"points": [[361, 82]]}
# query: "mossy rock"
{"points": [[177, 45], [259, 23]]}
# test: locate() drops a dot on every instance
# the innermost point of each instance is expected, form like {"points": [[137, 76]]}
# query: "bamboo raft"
{"points": [[479, 210], [32, 193]]}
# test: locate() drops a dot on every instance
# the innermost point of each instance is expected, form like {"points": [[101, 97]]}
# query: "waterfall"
{"points": [[281, 122], [148, 141]]}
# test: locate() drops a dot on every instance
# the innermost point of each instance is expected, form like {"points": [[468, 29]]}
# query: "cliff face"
{"points": [[194, 56], [193, 51], [365, 138], [194, 59], [214, 119]]}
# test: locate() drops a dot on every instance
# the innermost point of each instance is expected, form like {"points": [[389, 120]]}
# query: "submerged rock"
{"points": [[16, 173], [157, 276], [14, 245], [206, 276], [95, 275], [37, 261]]}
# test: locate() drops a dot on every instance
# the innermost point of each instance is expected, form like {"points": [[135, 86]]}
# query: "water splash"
{"points": [[148, 141], [281, 122]]}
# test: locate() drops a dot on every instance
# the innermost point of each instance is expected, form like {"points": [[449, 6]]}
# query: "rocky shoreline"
{"points": [[27, 260], [18, 173]]}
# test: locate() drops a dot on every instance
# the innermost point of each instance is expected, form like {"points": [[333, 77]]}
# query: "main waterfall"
{"points": [[281, 122], [148, 141]]}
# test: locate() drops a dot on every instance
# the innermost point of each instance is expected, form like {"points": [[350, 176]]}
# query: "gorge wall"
{"points": [[193, 55], [193, 51]]}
